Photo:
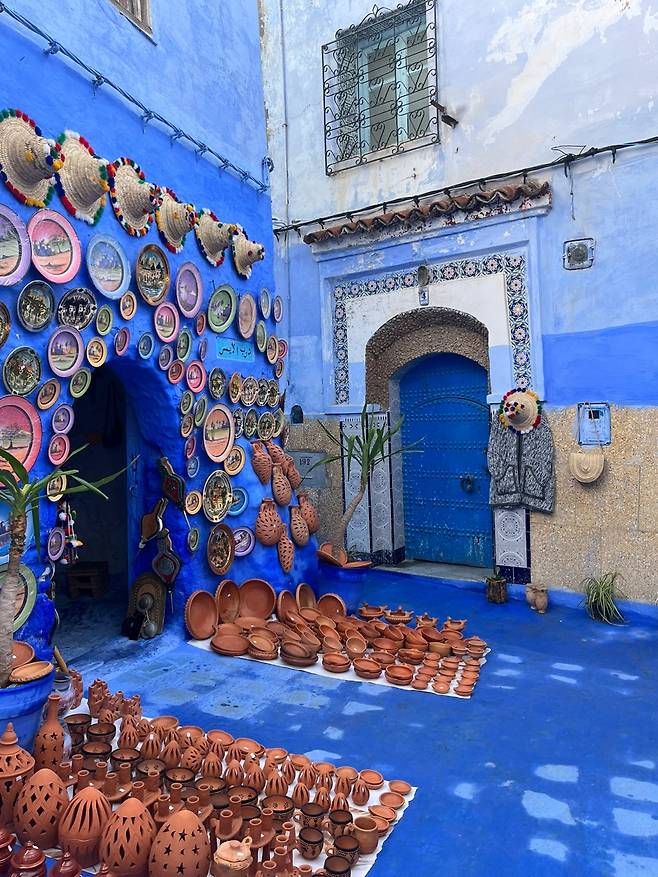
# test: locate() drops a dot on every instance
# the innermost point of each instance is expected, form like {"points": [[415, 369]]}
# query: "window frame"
{"points": [[144, 24]]}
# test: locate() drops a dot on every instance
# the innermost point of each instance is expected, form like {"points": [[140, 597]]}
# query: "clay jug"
{"points": [[171, 754], [126, 839], [300, 795], [276, 453], [66, 867], [281, 489], [211, 765], [286, 551], [232, 858], [292, 473], [309, 513], [269, 525], [16, 766], [39, 807], [298, 527], [81, 825], [360, 793], [261, 463], [180, 847], [48, 749]]}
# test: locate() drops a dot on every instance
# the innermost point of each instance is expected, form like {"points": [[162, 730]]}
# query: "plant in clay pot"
{"points": [[599, 599], [496, 588]]}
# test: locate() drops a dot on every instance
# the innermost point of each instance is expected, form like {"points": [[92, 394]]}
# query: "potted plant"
{"points": [[496, 587], [22, 704], [599, 599]]}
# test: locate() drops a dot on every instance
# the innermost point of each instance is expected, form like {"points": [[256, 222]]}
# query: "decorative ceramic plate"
{"points": [[186, 402], [200, 324], [190, 447], [104, 319], [96, 352], [107, 266], [221, 549], [5, 323], [165, 358], [56, 487], [234, 462], [48, 394], [272, 394], [263, 390], [184, 345], [216, 383], [239, 501], [221, 308], [235, 387], [31, 672], [152, 274], [189, 289], [128, 305], [203, 349], [59, 449], [266, 426], [261, 336], [277, 309], [16, 252], [192, 467], [218, 433], [193, 502], [245, 541], [166, 322], [145, 345], [80, 383], [238, 420], [278, 369], [20, 431], [257, 599], [55, 246], [193, 538], [283, 348], [21, 371], [35, 307], [247, 315], [186, 425], [56, 543], [280, 422], [196, 376], [249, 391], [77, 308], [175, 372], [121, 341], [251, 423], [216, 496], [62, 419], [200, 411], [265, 302], [272, 349]]}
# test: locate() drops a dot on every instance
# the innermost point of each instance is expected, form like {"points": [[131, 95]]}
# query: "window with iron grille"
{"points": [[380, 77], [138, 11]]}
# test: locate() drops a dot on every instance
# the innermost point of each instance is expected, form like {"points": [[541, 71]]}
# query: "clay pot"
{"points": [[48, 749], [286, 551], [82, 823], [171, 754], [28, 862], [541, 600], [298, 527], [232, 858], [180, 847], [269, 525], [292, 473], [276, 453], [309, 513], [281, 489], [126, 839], [66, 867], [261, 462], [39, 807]]}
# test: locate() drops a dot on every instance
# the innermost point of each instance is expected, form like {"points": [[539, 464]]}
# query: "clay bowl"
{"points": [[201, 615], [346, 626], [355, 647], [125, 756], [332, 605], [427, 675], [261, 643], [368, 632], [230, 645], [310, 639], [305, 596], [392, 800], [257, 598], [282, 805], [101, 732], [431, 635], [397, 674], [441, 686], [454, 624], [384, 644], [148, 766], [420, 684], [393, 633], [398, 617], [285, 603], [413, 640], [440, 649], [247, 622], [472, 663], [450, 662], [21, 654], [410, 656], [463, 691], [367, 668], [77, 723], [459, 650], [266, 632], [475, 653], [276, 627], [227, 598], [372, 778], [430, 660], [290, 636], [272, 655], [452, 636], [383, 826], [402, 787], [326, 632], [331, 644], [229, 629], [384, 659], [369, 612], [325, 619], [299, 662], [223, 737], [387, 813], [336, 663], [310, 616], [448, 674], [182, 775], [295, 650]]}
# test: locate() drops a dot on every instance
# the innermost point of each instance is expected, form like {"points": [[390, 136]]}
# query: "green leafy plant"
{"points": [[22, 497], [599, 599]]}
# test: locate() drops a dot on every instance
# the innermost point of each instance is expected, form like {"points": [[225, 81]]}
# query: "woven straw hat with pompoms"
{"points": [[520, 410], [213, 236], [82, 182], [133, 199], [174, 219], [28, 160], [245, 253]]}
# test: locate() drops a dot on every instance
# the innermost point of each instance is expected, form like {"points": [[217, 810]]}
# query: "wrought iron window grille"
{"points": [[380, 78]]}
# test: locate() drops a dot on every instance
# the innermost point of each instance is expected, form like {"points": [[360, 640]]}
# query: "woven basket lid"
{"points": [[520, 410], [28, 161], [174, 219], [133, 199], [245, 253], [83, 179], [213, 236], [586, 466]]}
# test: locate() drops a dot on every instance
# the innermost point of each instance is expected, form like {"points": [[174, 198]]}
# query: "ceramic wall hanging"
{"points": [[235, 387], [239, 501], [196, 376], [166, 322], [133, 199], [235, 460], [152, 274], [272, 349], [55, 246], [108, 266], [186, 402], [192, 467], [278, 369], [277, 309], [193, 538], [77, 308], [184, 344], [174, 219], [247, 315], [59, 449], [261, 336], [35, 307], [244, 541], [193, 502], [269, 525], [221, 549], [263, 390], [249, 391], [186, 425], [203, 349], [15, 253], [266, 426], [104, 319], [213, 236], [238, 421], [62, 419], [21, 371], [200, 411], [80, 383], [128, 305], [245, 253], [20, 430], [96, 352], [27, 160], [218, 433], [283, 348], [221, 308], [56, 487], [5, 323], [145, 345], [56, 543], [309, 513], [82, 181], [216, 496], [165, 357], [251, 423], [265, 303], [48, 394], [189, 289], [272, 394], [190, 447], [216, 383], [200, 323], [175, 372], [122, 341]]}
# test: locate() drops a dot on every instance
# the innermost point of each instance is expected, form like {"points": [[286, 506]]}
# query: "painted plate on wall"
{"points": [[238, 420], [15, 251], [193, 502], [192, 467], [278, 369], [265, 302], [235, 387], [55, 246], [59, 449], [261, 336], [152, 274], [263, 390], [104, 319], [35, 307], [272, 394], [200, 324], [218, 433], [56, 487], [62, 419], [190, 447], [216, 383], [249, 391], [216, 496], [247, 315], [239, 500], [121, 341], [21, 371], [166, 322], [186, 425], [107, 265], [189, 289], [5, 323], [200, 410], [279, 422], [4, 532], [220, 549], [277, 309], [266, 426], [128, 305], [193, 538], [20, 431], [203, 349], [251, 423], [186, 402], [145, 345], [80, 383], [221, 308], [77, 308], [56, 543], [184, 345], [175, 372], [96, 352], [272, 349], [245, 541], [283, 348], [234, 462], [48, 394], [196, 376], [165, 358]]}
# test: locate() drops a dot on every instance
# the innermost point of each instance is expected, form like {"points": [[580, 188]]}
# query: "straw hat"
{"points": [[174, 219], [245, 253], [586, 466], [27, 159], [520, 410], [133, 199], [82, 181], [213, 236]]}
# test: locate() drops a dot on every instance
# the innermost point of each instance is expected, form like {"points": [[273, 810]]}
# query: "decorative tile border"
{"points": [[513, 267]]}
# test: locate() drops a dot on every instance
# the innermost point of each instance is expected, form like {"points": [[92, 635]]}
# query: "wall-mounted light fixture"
{"points": [[424, 277]]}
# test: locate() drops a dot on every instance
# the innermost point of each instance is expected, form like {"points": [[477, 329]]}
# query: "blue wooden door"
{"points": [[447, 517]]}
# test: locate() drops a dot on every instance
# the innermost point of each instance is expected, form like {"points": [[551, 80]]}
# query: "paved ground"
{"points": [[550, 769]]}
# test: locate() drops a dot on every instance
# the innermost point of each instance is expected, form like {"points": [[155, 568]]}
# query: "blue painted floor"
{"points": [[550, 769]]}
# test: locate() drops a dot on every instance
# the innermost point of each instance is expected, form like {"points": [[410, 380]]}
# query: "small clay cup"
{"points": [[347, 847], [101, 732], [337, 866], [310, 842], [311, 815], [337, 823], [364, 829]]}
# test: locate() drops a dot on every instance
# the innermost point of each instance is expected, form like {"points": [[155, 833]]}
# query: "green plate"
{"points": [[104, 319], [186, 402], [221, 308], [261, 336], [80, 382]]}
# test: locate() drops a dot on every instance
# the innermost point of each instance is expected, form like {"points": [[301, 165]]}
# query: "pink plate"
{"points": [[121, 341], [15, 259], [59, 449], [166, 322], [20, 430], [176, 372], [196, 376], [55, 246]]}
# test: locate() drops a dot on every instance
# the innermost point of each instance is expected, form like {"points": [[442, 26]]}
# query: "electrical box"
{"points": [[578, 254], [594, 424]]}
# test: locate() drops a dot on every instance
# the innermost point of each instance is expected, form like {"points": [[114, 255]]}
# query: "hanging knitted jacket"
{"points": [[521, 467]]}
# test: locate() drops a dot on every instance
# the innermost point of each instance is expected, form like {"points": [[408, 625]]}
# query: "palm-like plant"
{"points": [[22, 497]]}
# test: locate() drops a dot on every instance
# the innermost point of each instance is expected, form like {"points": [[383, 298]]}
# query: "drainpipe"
{"points": [[286, 250]]}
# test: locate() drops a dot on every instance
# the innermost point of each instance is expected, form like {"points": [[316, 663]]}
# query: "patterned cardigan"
{"points": [[521, 467]]}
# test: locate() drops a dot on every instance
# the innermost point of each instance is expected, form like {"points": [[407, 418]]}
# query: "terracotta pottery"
{"points": [[234, 775], [372, 778], [191, 759], [38, 808], [292, 473], [28, 862], [128, 738], [66, 867], [336, 663], [276, 784], [151, 747], [254, 776], [286, 552], [360, 792], [541, 600], [298, 527], [230, 645], [269, 525], [339, 802], [308, 775], [171, 754], [355, 647], [48, 748], [276, 453], [281, 489], [323, 798], [309, 513], [211, 765], [232, 858], [261, 462], [441, 687], [333, 606], [16, 766], [402, 787], [300, 795], [410, 656], [257, 598], [454, 623], [7, 839], [384, 659], [181, 847], [365, 831], [82, 823], [126, 839], [201, 615]]}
